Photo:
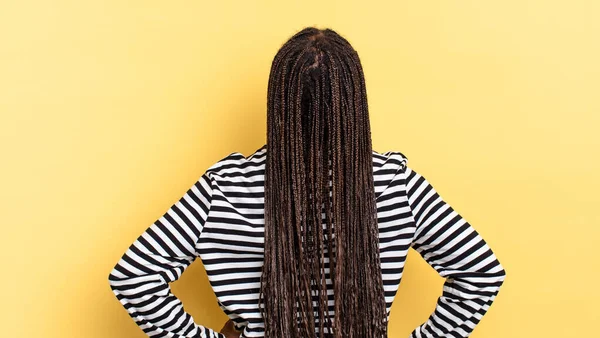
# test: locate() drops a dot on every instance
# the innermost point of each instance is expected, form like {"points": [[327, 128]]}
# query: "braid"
{"points": [[320, 206]]}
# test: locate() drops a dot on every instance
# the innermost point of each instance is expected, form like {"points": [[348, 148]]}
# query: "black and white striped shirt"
{"points": [[221, 220]]}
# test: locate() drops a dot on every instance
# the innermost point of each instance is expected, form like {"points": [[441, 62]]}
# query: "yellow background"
{"points": [[112, 109]]}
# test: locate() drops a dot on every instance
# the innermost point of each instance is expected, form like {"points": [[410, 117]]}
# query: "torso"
{"points": [[232, 239]]}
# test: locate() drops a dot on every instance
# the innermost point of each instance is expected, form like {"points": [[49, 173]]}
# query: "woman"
{"points": [[267, 226]]}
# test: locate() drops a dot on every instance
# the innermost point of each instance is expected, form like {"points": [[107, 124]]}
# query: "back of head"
{"points": [[320, 208]]}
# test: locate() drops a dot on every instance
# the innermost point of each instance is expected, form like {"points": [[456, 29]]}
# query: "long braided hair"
{"points": [[320, 209]]}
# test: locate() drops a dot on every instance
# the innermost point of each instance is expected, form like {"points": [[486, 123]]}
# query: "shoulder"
{"points": [[391, 160], [388, 172], [237, 164]]}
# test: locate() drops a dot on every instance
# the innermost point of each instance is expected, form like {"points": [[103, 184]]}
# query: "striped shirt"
{"points": [[221, 220]]}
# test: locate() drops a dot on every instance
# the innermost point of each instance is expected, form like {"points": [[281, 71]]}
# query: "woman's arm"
{"points": [[458, 253], [140, 280]]}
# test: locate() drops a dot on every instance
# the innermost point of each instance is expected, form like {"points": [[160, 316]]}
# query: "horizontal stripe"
{"points": [[220, 219]]}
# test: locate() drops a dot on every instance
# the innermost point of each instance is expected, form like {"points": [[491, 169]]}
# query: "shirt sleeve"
{"points": [[473, 275], [140, 279]]}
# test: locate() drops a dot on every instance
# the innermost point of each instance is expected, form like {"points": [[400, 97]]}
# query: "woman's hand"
{"points": [[229, 330]]}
